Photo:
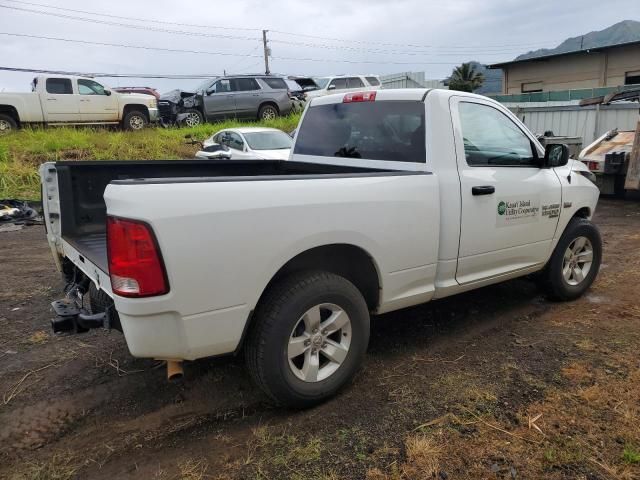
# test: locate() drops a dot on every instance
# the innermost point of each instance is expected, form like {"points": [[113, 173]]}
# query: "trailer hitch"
{"points": [[74, 319]]}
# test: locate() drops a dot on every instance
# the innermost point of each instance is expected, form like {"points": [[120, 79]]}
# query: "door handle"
{"points": [[483, 190], [51, 99]]}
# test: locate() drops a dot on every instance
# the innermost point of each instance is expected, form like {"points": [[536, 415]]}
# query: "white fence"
{"points": [[574, 121]]}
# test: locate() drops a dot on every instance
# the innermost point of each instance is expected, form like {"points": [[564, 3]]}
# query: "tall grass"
{"points": [[21, 152]]}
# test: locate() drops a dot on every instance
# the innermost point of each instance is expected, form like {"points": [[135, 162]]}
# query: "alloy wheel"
{"points": [[5, 126], [192, 120], [269, 113], [319, 342], [136, 122], [577, 261]]}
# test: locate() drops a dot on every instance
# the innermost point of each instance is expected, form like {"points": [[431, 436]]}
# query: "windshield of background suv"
{"points": [[321, 81], [205, 84], [387, 130], [268, 140]]}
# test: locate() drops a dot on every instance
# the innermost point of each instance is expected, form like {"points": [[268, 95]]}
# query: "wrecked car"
{"points": [[241, 96]]}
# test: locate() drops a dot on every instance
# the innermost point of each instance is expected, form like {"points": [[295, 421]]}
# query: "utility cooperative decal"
{"points": [[519, 210]]}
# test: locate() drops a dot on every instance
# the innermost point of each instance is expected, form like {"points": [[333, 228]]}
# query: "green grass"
{"points": [[21, 152], [631, 455]]}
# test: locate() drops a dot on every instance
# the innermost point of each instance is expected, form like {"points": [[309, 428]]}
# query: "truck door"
{"points": [[60, 103], [219, 100], [96, 105], [510, 206]]}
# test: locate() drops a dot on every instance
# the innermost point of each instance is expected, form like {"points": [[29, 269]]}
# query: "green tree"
{"points": [[465, 78]]}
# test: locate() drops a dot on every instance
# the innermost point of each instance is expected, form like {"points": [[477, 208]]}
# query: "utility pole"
{"points": [[266, 52]]}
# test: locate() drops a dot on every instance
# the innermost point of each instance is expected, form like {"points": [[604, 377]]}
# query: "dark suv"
{"points": [[239, 96]]}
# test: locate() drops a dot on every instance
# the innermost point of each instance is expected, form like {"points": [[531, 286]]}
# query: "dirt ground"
{"points": [[497, 383]]}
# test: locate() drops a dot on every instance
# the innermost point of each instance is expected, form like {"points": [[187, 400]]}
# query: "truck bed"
{"points": [[81, 186]]}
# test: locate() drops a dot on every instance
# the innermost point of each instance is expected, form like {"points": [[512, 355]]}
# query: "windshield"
{"points": [[321, 81], [268, 140], [204, 85]]}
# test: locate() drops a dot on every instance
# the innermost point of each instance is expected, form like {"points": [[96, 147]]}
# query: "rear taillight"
{"points": [[592, 165], [135, 263], [359, 97]]}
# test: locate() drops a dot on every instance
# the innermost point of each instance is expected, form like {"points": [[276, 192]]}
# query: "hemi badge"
{"points": [[567, 205]]}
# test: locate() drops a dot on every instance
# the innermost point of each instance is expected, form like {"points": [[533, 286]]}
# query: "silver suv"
{"points": [[239, 96]]}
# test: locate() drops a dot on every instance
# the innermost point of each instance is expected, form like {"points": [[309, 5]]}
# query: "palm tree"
{"points": [[465, 78]]}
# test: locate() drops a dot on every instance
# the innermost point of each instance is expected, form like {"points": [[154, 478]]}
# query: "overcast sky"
{"points": [[430, 36]]}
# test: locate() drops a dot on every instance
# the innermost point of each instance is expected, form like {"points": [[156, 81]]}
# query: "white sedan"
{"points": [[253, 143]]}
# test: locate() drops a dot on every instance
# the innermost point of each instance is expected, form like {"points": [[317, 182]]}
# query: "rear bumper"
{"points": [[169, 335]]}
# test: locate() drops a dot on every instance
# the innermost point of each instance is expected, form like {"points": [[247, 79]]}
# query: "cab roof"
{"points": [[406, 94]]}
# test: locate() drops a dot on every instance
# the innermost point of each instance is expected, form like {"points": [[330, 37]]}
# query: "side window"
{"points": [[354, 82], [492, 139], [373, 81], [235, 141], [338, 83], [276, 83], [89, 87], [244, 84], [59, 86], [221, 86]]}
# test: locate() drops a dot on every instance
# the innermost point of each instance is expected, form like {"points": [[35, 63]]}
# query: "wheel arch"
{"points": [[273, 103], [583, 212], [11, 111], [132, 107], [347, 260]]}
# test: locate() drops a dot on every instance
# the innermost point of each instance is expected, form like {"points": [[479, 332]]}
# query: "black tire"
{"points": [[98, 299], [553, 279], [135, 120], [7, 123], [275, 318], [268, 112], [193, 119]]}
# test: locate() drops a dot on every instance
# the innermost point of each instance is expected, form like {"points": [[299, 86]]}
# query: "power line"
{"points": [[475, 47], [411, 45], [113, 75], [146, 20], [122, 45], [127, 25], [325, 60]]}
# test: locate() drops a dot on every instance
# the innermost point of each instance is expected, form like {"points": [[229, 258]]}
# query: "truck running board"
{"points": [[71, 318]]}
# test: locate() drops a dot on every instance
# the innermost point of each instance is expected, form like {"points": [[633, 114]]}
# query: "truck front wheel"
{"points": [[135, 120], [575, 262], [7, 123], [308, 339]]}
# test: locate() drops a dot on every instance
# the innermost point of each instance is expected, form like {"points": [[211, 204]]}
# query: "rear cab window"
{"points": [[390, 130], [59, 86], [373, 81]]}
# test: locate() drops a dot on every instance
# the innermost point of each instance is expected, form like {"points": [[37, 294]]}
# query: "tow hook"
{"points": [[71, 318]]}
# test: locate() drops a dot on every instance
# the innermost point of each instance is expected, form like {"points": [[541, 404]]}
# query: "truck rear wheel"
{"points": [[7, 123], [575, 262], [135, 120], [309, 337]]}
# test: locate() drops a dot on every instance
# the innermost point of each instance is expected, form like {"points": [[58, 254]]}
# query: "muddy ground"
{"points": [[496, 383]]}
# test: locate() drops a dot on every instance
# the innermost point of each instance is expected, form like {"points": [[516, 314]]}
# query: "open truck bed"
{"points": [[79, 187]]}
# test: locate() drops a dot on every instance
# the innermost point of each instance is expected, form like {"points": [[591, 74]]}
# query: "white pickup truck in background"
{"points": [[389, 199], [67, 100]]}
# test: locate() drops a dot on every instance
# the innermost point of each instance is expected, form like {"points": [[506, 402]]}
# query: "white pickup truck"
{"points": [[66, 100], [389, 199]]}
